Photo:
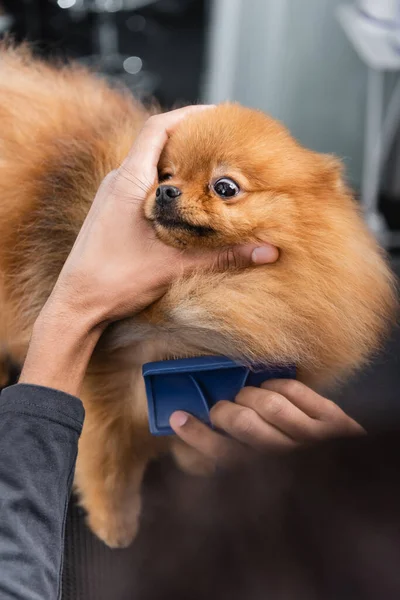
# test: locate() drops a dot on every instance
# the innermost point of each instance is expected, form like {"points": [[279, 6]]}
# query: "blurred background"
{"points": [[328, 69]]}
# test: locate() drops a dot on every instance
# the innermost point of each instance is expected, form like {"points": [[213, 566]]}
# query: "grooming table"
{"points": [[92, 571]]}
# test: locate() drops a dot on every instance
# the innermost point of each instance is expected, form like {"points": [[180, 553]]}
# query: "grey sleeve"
{"points": [[39, 433]]}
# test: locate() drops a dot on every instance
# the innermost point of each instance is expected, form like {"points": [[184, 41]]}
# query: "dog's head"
{"points": [[232, 175]]}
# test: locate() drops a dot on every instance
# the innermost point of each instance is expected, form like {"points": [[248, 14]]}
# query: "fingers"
{"points": [[299, 394], [245, 256], [276, 410], [235, 257], [144, 156], [131, 183], [199, 436], [247, 426], [325, 418], [280, 415]]}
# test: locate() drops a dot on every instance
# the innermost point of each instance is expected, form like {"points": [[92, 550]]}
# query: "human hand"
{"points": [[118, 266], [280, 415]]}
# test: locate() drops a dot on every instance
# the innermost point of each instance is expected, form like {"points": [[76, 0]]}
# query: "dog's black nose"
{"points": [[167, 193]]}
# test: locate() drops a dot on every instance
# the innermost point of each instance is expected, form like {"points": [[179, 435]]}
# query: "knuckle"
{"points": [[109, 179], [154, 122], [274, 403], [218, 411], [231, 258], [242, 421], [245, 395], [250, 397], [223, 259], [227, 259], [331, 410], [291, 387], [262, 401]]}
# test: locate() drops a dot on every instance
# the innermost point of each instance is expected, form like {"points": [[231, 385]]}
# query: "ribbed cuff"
{"points": [[40, 401]]}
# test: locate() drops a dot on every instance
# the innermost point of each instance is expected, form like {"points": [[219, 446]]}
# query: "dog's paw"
{"points": [[116, 531]]}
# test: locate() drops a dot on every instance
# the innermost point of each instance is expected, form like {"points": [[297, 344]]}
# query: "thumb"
{"points": [[236, 257], [232, 257], [203, 439]]}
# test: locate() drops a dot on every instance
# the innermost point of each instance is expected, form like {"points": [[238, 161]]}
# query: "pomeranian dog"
{"points": [[228, 175]]}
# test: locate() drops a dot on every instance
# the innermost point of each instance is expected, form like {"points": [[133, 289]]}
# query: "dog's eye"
{"points": [[226, 188], [164, 176]]}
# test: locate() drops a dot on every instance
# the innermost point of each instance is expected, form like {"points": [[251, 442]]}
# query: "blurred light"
{"points": [[66, 3], [136, 23], [133, 65], [113, 5]]}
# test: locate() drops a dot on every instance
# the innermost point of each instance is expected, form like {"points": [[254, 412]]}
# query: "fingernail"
{"points": [[263, 254], [179, 418]]}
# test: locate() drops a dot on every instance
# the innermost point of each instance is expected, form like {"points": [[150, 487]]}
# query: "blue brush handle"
{"points": [[194, 385]]}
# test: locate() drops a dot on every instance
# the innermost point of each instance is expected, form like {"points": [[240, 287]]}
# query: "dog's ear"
{"points": [[333, 172], [313, 172]]}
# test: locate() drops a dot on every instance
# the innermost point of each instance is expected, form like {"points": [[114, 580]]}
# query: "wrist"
{"points": [[61, 345], [96, 309]]}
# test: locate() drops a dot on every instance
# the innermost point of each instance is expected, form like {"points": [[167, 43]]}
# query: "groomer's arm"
{"points": [[116, 268], [39, 433]]}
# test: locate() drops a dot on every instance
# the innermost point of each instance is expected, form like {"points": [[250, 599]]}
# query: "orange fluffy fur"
{"points": [[324, 305]]}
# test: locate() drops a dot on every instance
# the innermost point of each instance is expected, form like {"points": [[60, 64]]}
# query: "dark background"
{"points": [[167, 35]]}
